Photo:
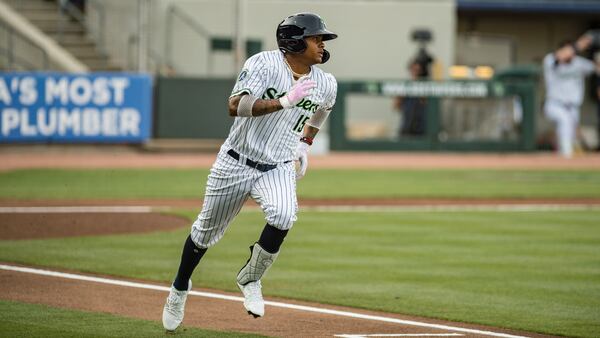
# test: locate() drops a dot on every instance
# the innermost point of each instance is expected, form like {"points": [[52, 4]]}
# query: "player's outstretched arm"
{"points": [[259, 107], [246, 105]]}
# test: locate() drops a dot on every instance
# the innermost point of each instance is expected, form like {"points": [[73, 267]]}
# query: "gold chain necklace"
{"points": [[293, 72]]}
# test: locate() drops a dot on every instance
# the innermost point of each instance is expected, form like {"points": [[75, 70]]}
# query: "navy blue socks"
{"points": [[271, 238], [190, 257]]}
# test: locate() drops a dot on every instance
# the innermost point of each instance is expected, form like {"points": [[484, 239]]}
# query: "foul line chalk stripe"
{"points": [[400, 335], [454, 208], [241, 299], [327, 208]]}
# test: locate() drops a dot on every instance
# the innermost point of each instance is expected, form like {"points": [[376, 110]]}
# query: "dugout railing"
{"points": [[515, 100]]}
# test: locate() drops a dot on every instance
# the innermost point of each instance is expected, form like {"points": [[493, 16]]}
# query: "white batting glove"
{"points": [[301, 89], [302, 158]]}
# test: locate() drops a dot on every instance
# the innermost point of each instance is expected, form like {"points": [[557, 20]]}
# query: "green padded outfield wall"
{"points": [[192, 108], [196, 108]]}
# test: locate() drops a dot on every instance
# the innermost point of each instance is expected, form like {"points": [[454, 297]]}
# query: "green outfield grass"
{"points": [[33, 320], [535, 271], [130, 183]]}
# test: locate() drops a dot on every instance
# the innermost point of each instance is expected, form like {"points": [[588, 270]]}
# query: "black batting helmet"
{"points": [[292, 31]]}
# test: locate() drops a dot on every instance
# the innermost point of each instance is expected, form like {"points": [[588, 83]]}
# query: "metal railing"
{"points": [[99, 36], [132, 51], [174, 12], [67, 8], [154, 57], [10, 51]]}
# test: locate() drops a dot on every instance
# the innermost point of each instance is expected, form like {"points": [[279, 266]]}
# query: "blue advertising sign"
{"points": [[75, 108]]}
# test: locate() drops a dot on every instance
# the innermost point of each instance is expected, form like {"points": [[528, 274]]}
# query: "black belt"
{"points": [[258, 166]]}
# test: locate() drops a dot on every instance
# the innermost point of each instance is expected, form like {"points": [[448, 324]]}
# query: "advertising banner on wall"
{"points": [[75, 108]]}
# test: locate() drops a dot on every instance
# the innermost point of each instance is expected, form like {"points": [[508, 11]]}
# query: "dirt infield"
{"points": [[11, 159], [45, 225]]}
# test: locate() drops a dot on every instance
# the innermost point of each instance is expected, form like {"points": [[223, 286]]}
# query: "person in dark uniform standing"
{"points": [[413, 109]]}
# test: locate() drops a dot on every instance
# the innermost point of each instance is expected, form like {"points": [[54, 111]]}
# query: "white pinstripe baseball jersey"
{"points": [[565, 81], [268, 139], [273, 138]]}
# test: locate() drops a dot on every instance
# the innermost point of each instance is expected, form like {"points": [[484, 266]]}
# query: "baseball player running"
{"points": [[280, 101]]}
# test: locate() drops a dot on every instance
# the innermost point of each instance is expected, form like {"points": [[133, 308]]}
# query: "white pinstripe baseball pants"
{"points": [[566, 118], [229, 185]]}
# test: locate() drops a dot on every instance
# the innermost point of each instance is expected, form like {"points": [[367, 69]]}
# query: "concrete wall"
{"points": [[534, 35], [374, 37], [474, 49], [112, 23], [374, 40]]}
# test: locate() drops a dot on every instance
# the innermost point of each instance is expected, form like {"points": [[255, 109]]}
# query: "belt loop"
{"points": [[242, 159]]}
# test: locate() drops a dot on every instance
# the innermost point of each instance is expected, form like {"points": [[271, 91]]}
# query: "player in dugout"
{"points": [[564, 75]]}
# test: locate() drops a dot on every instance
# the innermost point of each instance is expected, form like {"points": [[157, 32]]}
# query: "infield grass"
{"points": [[535, 271], [34, 320], [328, 184]]}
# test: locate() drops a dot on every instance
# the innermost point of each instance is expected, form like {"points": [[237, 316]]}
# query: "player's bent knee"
{"points": [[282, 221], [281, 218], [205, 239]]}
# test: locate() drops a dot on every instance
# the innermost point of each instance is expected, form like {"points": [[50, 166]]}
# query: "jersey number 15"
{"points": [[300, 124]]}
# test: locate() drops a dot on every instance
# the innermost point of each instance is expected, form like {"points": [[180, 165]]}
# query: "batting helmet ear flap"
{"points": [[290, 38], [293, 45], [325, 57]]}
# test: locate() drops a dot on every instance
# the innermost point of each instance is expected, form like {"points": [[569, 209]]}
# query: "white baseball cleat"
{"points": [[253, 299], [174, 308]]}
